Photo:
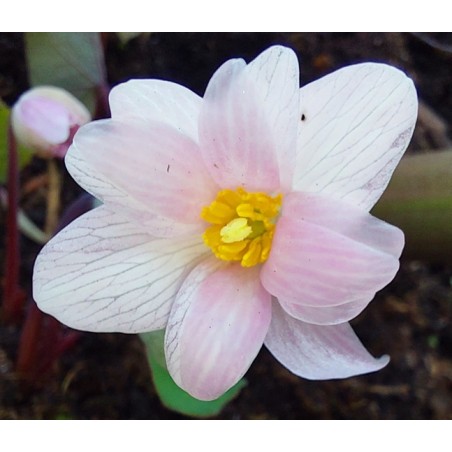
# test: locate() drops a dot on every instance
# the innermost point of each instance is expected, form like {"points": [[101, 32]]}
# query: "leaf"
{"points": [[171, 395], [73, 61], [23, 154]]}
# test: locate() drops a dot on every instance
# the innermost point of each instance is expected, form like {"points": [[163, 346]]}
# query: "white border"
{"points": [[234, 436], [231, 15]]}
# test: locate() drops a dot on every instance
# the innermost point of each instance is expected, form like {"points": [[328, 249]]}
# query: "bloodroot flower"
{"points": [[45, 119], [237, 219]]}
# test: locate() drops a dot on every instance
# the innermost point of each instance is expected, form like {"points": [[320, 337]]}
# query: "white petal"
{"points": [[357, 123], [276, 77], [103, 273], [148, 171], [157, 100], [119, 199], [318, 352], [326, 315]]}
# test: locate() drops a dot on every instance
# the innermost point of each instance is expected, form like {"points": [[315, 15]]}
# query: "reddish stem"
{"points": [[42, 342], [102, 109], [29, 342], [54, 342], [102, 105], [43, 339], [13, 297]]}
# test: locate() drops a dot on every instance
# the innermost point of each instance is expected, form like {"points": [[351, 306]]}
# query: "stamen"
{"points": [[235, 230], [242, 225]]}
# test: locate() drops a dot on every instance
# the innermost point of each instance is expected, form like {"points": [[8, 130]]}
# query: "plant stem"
{"points": [[43, 339], [419, 201], [102, 109], [38, 329], [13, 298], [28, 356], [53, 197]]}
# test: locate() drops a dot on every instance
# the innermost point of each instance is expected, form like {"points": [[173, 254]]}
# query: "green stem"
{"points": [[419, 201], [13, 298], [53, 197]]}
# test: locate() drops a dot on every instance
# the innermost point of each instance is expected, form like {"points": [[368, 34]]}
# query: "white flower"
{"points": [[236, 219]]}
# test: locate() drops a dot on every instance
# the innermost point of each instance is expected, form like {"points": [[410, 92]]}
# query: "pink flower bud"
{"points": [[46, 118]]}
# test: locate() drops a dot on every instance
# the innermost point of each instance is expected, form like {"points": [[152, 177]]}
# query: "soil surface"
{"points": [[105, 376]]}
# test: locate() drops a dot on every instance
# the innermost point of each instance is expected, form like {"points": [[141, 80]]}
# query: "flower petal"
{"points": [[46, 118], [157, 100], [236, 138], [326, 315], [318, 352], [352, 222], [120, 200], [148, 168], [216, 328], [357, 123], [319, 265], [276, 77], [102, 273], [346, 219]]}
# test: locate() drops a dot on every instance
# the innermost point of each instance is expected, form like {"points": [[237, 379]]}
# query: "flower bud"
{"points": [[45, 119]]}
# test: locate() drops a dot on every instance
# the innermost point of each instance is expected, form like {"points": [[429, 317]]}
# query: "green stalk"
{"points": [[419, 201], [13, 296]]}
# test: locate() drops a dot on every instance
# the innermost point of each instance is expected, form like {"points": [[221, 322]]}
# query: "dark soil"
{"points": [[105, 376]]}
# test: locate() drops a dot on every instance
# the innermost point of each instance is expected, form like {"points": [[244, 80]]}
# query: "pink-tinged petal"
{"points": [[148, 168], [46, 118], [103, 273], [312, 265], [351, 222], [346, 219], [357, 123], [157, 100], [276, 77], [216, 328], [318, 352], [326, 315], [235, 135]]}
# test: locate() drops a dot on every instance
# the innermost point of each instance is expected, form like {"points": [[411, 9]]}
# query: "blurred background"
{"points": [[106, 376]]}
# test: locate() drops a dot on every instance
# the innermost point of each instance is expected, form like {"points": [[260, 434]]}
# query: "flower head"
{"points": [[45, 119], [236, 219]]}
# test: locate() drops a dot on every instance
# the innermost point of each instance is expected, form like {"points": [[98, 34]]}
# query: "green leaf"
{"points": [[73, 61], [170, 394], [23, 154]]}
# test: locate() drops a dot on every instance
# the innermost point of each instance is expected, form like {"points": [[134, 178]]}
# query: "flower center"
{"points": [[242, 225]]}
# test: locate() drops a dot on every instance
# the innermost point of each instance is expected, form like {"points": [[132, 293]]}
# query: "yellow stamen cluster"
{"points": [[242, 225]]}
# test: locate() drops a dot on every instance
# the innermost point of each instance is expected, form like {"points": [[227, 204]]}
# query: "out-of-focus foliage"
{"points": [[126, 36], [24, 154], [419, 201], [73, 61]]}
